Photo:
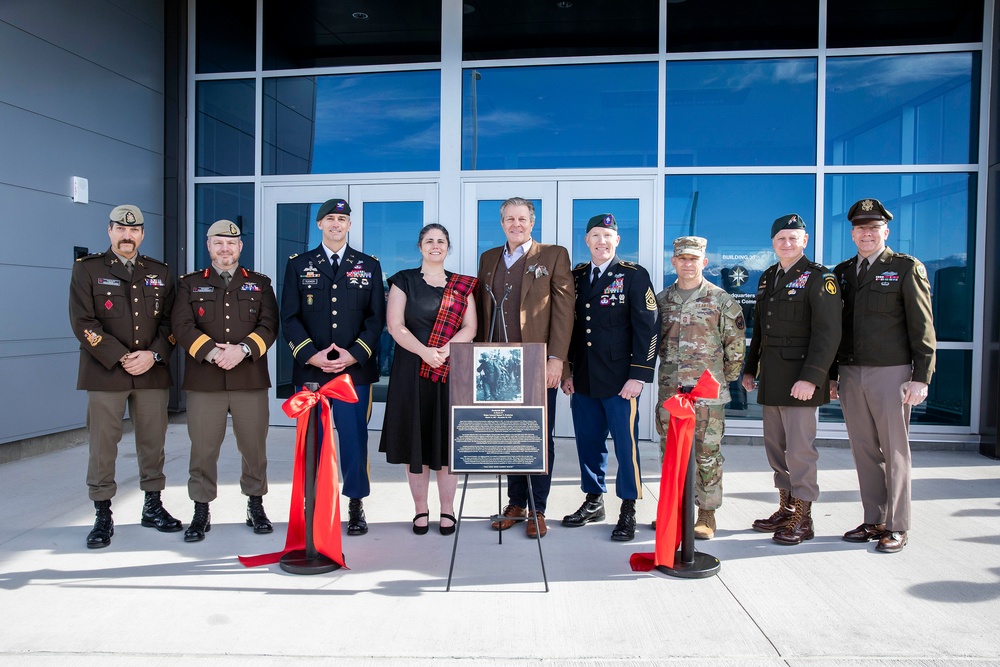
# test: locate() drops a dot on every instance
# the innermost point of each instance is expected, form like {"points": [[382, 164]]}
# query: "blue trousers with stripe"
{"points": [[593, 420], [351, 422]]}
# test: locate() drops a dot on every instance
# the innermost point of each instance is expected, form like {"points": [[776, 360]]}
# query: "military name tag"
{"points": [[310, 281], [109, 281], [203, 290]]}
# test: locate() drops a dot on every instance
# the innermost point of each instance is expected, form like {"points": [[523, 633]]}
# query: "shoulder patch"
{"points": [[830, 284], [921, 271], [650, 299]]}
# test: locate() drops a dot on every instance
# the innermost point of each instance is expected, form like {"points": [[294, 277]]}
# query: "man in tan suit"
{"points": [[526, 296]]}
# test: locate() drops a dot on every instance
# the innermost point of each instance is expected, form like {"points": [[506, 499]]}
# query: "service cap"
{"points": [[690, 245], [792, 221], [223, 228], [127, 215], [333, 206], [866, 210], [603, 220]]}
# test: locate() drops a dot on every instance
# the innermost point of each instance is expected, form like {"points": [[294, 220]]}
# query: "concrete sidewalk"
{"points": [[152, 597]]}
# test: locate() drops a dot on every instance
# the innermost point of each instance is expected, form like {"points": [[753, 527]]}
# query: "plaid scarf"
{"points": [[449, 318]]}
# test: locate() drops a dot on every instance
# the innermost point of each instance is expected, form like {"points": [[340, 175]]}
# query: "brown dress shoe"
{"points": [[866, 532], [542, 528], [892, 541], [511, 511], [781, 518], [800, 528]]}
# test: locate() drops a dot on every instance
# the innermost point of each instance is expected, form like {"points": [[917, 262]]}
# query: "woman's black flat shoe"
{"points": [[420, 530], [448, 530]]}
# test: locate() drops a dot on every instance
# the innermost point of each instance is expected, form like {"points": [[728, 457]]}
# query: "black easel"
{"points": [[310, 561]]}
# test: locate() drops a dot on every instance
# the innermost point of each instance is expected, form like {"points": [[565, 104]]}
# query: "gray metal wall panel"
{"points": [[66, 87], [81, 94], [124, 36]]}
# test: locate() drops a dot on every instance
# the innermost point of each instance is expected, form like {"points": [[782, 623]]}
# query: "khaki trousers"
{"points": [[789, 440]]}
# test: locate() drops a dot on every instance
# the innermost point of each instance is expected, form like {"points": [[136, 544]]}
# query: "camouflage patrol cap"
{"points": [[604, 221], [690, 245], [223, 228], [866, 210], [336, 206], [791, 221], [127, 215]]}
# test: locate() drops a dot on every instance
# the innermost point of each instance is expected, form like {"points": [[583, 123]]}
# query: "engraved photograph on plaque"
{"points": [[499, 375]]}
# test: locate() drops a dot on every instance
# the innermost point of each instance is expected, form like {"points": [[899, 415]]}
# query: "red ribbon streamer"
{"points": [[669, 510], [326, 518]]}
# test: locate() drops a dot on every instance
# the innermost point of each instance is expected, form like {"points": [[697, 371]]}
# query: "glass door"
{"points": [[562, 209], [385, 221]]}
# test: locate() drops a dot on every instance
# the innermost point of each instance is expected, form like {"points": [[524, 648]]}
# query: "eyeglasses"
{"points": [[868, 229]]}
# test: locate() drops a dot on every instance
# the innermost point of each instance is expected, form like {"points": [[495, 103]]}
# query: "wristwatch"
{"points": [[156, 357], [246, 349]]}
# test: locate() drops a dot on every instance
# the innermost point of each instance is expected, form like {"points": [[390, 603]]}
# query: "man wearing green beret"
{"points": [[885, 363], [225, 318], [119, 308], [795, 338], [612, 355]]}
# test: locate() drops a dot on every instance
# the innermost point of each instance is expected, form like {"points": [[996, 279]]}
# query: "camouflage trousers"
{"points": [[710, 425]]}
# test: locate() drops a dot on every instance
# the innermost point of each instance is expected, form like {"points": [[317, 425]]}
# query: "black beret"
{"points": [[866, 210], [333, 206], [604, 220], [792, 221]]}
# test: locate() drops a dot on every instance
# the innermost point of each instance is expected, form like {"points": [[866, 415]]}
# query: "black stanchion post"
{"points": [[688, 563], [310, 561]]}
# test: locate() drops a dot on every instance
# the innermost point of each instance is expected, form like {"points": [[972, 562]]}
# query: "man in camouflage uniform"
{"points": [[701, 328]]}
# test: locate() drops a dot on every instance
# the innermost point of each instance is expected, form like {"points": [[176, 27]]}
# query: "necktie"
{"points": [[130, 266], [226, 277], [597, 274], [335, 262], [779, 275], [863, 270]]}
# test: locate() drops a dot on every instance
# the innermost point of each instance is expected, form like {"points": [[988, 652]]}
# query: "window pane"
{"points": [[933, 220], [533, 29], [490, 233], [897, 22], [741, 112], [329, 34], [560, 117], [227, 36], [352, 123], [626, 212], [736, 25], [218, 201], [224, 132], [913, 109], [735, 214], [297, 232]]}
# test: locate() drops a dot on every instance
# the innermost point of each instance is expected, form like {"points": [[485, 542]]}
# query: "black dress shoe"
{"points": [[104, 526], [256, 516], [892, 541], [447, 530], [154, 515], [420, 530], [356, 524], [591, 510], [201, 523], [625, 529], [866, 532]]}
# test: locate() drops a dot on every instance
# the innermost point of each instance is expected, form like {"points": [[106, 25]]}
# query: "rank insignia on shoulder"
{"points": [[830, 285], [627, 264], [92, 337], [581, 265], [293, 256]]}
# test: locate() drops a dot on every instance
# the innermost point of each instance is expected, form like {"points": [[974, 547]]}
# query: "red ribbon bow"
{"points": [[326, 518], [680, 433]]}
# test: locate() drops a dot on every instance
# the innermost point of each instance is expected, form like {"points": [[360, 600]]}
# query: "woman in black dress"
{"points": [[428, 309]]}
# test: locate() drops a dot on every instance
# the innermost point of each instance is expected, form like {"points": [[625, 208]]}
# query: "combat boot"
{"points": [[154, 515], [201, 523], [800, 528], [704, 527], [356, 523], [104, 526], [625, 529], [592, 509], [786, 510], [256, 516]]}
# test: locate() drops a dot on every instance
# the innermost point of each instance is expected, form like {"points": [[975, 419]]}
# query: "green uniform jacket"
{"points": [[887, 317], [705, 332], [207, 312], [112, 313], [796, 333]]}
